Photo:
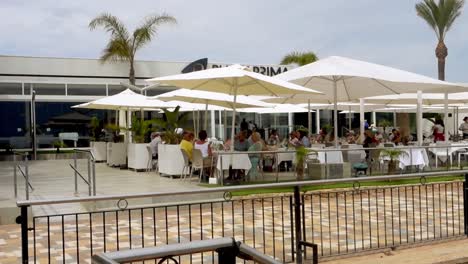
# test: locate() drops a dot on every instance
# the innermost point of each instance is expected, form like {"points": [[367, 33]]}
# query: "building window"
{"points": [[11, 88], [115, 89], [49, 89], [86, 89]]}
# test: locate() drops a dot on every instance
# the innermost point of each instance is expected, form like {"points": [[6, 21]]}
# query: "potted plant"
{"points": [[59, 144], [384, 124], [301, 154], [98, 148], [393, 156], [137, 153], [171, 161]]}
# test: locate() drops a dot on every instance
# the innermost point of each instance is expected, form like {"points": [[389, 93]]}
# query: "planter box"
{"points": [[99, 150], [170, 159], [138, 156], [116, 154]]}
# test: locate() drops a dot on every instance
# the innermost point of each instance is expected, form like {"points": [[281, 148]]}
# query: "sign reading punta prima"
{"points": [[202, 64]]}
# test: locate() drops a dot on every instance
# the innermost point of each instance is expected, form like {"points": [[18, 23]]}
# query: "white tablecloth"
{"points": [[441, 151], [414, 157], [330, 157], [285, 156], [239, 162]]}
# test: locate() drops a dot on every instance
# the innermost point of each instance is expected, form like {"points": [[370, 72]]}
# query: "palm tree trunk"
{"points": [[131, 75], [441, 53]]}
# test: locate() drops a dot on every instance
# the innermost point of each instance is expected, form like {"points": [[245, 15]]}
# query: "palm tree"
{"points": [[440, 18], [300, 58], [122, 46]]}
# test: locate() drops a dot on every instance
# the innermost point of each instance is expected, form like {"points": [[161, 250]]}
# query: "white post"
{"points": [[309, 118], [225, 126], [213, 124], [419, 117], [205, 125], [394, 119], [290, 122], [194, 121], [374, 119], [335, 111], [350, 118], [361, 119], [317, 121], [233, 116], [129, 120], [446, 117], [220, 123]]}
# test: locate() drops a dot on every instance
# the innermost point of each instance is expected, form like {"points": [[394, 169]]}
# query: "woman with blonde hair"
{"points": [[255, 157]]}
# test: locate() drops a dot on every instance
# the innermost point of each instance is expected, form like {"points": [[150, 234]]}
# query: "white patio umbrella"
{"points": [[275, 109], [210, 98], [343, 79], [233, 80], [412, 98], [127, 101]]}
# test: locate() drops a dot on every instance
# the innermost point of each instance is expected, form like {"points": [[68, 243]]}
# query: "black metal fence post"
{"points": [[23, 220], [465, 204], [297, 223]]}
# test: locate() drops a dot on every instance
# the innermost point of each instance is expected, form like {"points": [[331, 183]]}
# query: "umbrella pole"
{"points": [[446, 117], [225, 126], [361, 119], [233, 116], [317, 121], [335, 112], [419, 119], [350, 118], [206, 117], [194, 122], [220, 131], [309, 117]]}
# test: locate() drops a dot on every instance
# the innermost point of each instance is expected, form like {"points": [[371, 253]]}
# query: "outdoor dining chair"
{"points": [[197, 163], [187, 168]]}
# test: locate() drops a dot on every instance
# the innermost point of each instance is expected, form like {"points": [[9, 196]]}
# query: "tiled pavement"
{"points": [[340, 222]]}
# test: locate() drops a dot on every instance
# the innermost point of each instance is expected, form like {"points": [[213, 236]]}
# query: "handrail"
{"points": [[228, 249], [85, 151], [238, 188], [25, 172], [91, 182]]}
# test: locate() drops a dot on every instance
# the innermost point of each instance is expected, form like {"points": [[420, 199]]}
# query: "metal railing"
{"points": [[228, 250], [91, 171], [414, 163], [25, 172], [339, 221]]}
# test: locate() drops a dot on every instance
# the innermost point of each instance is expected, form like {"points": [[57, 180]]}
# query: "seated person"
{"points": [[155, 140], [273, 139], [240, 142], [369, 141], [294, 139], [186, 143], [351, 137], [395, 136], [255, 157], [304, 138], [204, 146]]}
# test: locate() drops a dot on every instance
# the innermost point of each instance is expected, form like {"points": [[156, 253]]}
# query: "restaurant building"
{"points": [[60, 83]]}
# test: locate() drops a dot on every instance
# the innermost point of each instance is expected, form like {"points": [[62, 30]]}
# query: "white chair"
{"points": [[442, 152], [197, 163], [186, 169], [152, 163]]}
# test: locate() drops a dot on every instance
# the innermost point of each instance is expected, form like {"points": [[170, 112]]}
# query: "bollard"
{"points": [[23, 220]]}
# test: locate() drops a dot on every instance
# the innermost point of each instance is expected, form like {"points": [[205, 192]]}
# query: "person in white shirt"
{"points": [[155, 140], [204, 146], [464, 127]]}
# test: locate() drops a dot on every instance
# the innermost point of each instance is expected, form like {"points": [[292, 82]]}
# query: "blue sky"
{"points": [[241, 31]]}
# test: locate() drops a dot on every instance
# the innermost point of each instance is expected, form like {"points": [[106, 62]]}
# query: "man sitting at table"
{"points": [[186, 143], [395, 137], [240, 142]]}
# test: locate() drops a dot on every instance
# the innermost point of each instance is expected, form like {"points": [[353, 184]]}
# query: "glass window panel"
{"points": [[115, 89], [49, 89], [86, 89], [11, 88]]}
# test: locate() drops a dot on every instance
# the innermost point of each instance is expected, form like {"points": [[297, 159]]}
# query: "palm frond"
{"points": [[300, 58], [440, 16], [143, 34], [117, 49], [111, 24]]}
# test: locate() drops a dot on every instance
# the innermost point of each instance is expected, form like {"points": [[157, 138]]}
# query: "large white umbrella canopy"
{"points": [[411, 98], [343, 79], [275, 109], [210, 98], [233, 80], [124, 101]]}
